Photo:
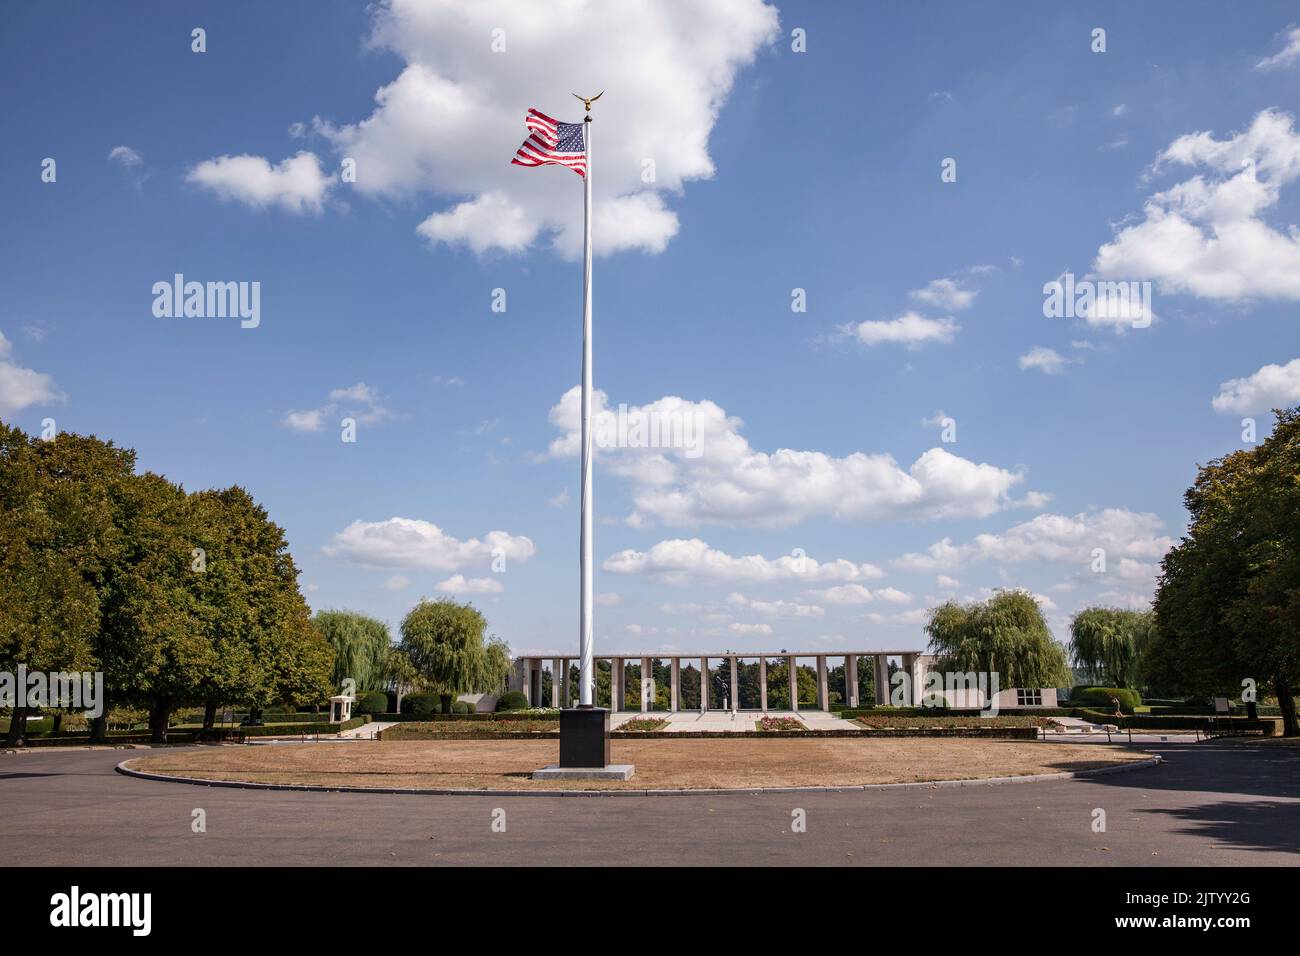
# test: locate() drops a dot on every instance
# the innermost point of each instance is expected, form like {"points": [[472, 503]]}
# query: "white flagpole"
{"points": [[586, 676]]}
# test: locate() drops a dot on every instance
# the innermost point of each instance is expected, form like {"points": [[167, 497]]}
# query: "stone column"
{"points": [[704, 685], [674, 684], [794, 683], [564, 681], [882, 680], [555, 683], [851, 680], [647, 684], [762, 684], [911, 691], [616, 684], [528, 679], [735, 685], [823, 689]]}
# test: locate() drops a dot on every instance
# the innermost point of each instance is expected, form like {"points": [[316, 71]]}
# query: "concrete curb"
{"points": [[1154, 761]]}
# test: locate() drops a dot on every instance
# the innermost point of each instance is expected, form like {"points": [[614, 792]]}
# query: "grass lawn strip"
{"points": [[660, 764]]}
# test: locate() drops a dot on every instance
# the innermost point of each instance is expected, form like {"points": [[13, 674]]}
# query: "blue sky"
{"points": [[776, 170]]}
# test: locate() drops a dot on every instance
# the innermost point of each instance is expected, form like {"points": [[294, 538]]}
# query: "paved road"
{"points": [[1209, 804]]}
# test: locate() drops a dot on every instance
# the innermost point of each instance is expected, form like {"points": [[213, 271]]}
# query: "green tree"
{"points": [[162, 652], [400, 674], [1228, 601], [1004, 636], [1108, 643], [445, 643], [289, 661], [225, 586], [361, 645], [57, 534]]}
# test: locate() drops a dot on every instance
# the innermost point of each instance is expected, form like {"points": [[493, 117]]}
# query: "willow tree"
{"points": [[361, 645], [400, 674], [1004, 636], [1107, 644], [445, 644]]}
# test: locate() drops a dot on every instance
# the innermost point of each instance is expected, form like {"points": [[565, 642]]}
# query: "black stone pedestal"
{"points": [[584, 737]]}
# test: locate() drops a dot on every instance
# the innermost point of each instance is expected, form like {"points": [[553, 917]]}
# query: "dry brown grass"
{"points": [[660, 764]]}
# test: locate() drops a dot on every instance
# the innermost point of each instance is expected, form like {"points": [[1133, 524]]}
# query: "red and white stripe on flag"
{"points": [[551, 142]]}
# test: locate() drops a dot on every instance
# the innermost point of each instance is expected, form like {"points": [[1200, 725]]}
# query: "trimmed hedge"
{"points": [[512, 700], [1200, 710], [1147, 722], [459, 707], [1081, 696], [544, 714], [309, 729], [954, 712], [374, 702], [421, 704]]}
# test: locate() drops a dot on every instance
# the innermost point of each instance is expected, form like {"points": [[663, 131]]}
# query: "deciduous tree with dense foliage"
{"points": [[176, 598], [159, 652], [1228, 601], [57, 534]]}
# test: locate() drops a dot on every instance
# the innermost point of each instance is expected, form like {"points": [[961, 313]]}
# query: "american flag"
{"points": [[552, 142]]}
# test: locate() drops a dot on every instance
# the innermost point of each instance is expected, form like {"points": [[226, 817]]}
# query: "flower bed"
{"points": [[412, 730], [777, 724], [642, 724]]}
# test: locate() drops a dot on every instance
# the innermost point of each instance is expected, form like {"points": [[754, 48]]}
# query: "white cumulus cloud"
{"points": [[459, 584], [726, 481], [1206, 235], [1273, 386], [859, 594], [413, 543], [911, 329], [1044, 359], [1054, 539], [1287, 56], [687, 561], [449, 122], [22, 387], [774, 608], [947, 294], [297, 184]]}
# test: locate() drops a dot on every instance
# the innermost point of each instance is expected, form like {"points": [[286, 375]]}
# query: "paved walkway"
{"points": [[1208, 804], [1076, 730], [367, 731], [725, 721]]}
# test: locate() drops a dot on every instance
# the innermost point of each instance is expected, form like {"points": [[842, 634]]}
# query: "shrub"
{"points": [[372, 703], [422, 704], [512, 700], [460, 707], [1101, 697]]}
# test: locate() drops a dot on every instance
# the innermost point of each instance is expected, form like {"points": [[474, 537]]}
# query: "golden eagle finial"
{"points": [[587, 101]]}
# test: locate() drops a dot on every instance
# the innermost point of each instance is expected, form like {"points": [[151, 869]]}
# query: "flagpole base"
{"points": [[617, 771], [584, 738]]}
